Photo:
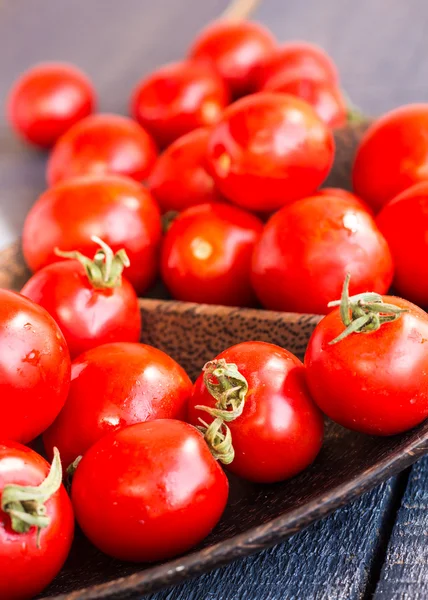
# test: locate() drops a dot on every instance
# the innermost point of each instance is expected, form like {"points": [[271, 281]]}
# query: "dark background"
{"points": [[376, 546]]}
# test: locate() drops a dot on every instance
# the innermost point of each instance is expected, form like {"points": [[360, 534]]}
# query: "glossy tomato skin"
{"points": [[180, 178], [206, 255], [87, 317], [404, 223], [178, 98], [47, 100], [362, 382], [269, 149], [234, 48], [102, 144], [346, 195], [27, 567], [295, 59], [118, 210], [113, 386], [171, 492], [308, 247], [324, 97], [392, 155], [34, 368], [280, 430]]}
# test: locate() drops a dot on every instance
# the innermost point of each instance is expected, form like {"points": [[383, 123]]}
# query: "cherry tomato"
{"points": [[269, 149], [299, 60], [404, 223], [280, 430], [34, 368], [89, 300], [149, 492], [180, 178], [31, 555], [206, 255], [117, 209], [392, 155], [178, 98], [324, 97], [349, 196], [234, 48], [102, 144], [47, 100], [375, 381], [113, 386], [307, 248]]}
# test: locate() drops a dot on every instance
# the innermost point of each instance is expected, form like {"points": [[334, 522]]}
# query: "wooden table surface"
{"points": [[377, 546]]}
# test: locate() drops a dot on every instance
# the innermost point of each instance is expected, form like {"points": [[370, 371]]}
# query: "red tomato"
{"points": [[34, 368], [178, 98], [324, 97], [307, 248], [89, 300], [180, 178], [392, 155], [47, 100], [280, 430], [269, 149], [102, 144], [234, 48], [113, 386], [404, 223], [149, 492], [116, 209], [30, 555], [298, 60], [206, 255], [349, 196], [376, 381]]}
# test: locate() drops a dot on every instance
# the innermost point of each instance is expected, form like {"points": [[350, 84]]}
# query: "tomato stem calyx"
{"points": [[105, 269], [219, 439], [25, 505], [363, 313]]}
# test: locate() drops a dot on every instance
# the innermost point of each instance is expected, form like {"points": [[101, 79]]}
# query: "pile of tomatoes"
{"points": [[232, 144]]}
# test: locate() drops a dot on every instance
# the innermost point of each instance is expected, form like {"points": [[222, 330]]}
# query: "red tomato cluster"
{"points": [[245, 129]]}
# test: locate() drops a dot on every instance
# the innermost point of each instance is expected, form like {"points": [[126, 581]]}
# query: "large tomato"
{"points": [[113, 386], [392, 155], [117, 209], [279, 430], [149, 492], [307, 248], [206, 255], [31, 555], [269, 149], [102, 144], [34, 368]]}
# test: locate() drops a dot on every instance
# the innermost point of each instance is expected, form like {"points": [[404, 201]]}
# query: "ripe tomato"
{"points": [[234, 48], [206, 255], [375, 381], [180, 178], [324, 97], [299, 60], [404, 223], [280, 430], [47, 100], [392, 155], [349, 196], [269, 149], [149, 492], [34, 368], [31, 555], [116, 209], [102, 144], [89, 299], [307, 248], [113, 386], [178, 98]]}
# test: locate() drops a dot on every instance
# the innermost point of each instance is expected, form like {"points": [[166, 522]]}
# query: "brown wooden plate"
{"points": [[257, 516]]}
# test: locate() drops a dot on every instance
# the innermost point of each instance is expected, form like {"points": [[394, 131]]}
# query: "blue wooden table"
{"points": [[377, 546]]}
